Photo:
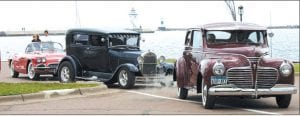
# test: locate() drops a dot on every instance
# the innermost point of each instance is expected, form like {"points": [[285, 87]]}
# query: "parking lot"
{"points": [[142, 99]]}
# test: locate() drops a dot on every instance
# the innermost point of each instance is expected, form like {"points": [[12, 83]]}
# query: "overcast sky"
{"points": [[40, 15]]}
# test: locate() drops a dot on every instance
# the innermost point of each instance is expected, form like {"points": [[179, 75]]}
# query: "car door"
{"points": [[96, 52], [77, 48], [21, 59], [193, 55]]}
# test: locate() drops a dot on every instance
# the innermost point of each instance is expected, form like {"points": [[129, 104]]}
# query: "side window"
{"points": [[96, 40], [197, 39], [253, 37], [188, 39], [81, 39], [256, 37]]}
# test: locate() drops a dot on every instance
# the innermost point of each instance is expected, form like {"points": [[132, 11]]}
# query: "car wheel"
{"points": [[182, 93], [126, 78], [13, 73], [208, 101], [66, 72], [283, 101], [30, 72]]}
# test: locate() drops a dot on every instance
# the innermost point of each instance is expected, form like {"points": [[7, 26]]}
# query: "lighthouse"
{"points": [[133, 18], [162, 26]]}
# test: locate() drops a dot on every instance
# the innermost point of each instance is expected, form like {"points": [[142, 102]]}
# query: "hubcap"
{"points": [[123, 77], [65, 74], [204, 92], [31, 72]]}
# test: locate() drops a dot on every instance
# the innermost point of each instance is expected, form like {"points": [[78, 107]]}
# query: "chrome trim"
{"points": [[240, 76], [266, 79], [228, 90]]}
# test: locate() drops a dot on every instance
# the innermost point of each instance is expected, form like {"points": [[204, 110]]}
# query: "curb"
{"points": [[52, 94]]}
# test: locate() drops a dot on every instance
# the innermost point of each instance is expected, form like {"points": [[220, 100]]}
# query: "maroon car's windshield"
{"points": [[253, 37], [47, 47]]}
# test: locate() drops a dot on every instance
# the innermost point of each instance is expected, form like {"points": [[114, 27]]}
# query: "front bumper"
{"points": [[43, 69], [228, 90]]}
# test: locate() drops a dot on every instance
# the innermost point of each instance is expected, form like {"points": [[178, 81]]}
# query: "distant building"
{"points": [[162, 27]]}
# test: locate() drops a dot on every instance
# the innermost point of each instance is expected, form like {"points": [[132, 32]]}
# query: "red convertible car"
{"points": [[39, 58]]}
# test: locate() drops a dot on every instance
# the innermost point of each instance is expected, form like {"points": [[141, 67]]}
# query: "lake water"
{"points": [[285, 43]]}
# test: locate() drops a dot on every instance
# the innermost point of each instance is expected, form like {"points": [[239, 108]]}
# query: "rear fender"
{"points": [[180, 72]]}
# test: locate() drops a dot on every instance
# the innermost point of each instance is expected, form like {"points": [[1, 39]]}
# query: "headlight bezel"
{"points": [[285, 69], [161, 59], [41, 60], [218, 68], [140, 59]]}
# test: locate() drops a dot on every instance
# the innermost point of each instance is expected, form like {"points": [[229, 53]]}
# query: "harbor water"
{"points": [[284, 43]]}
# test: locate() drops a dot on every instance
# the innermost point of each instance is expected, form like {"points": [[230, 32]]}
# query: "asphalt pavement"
{"points": [[143, 99]]}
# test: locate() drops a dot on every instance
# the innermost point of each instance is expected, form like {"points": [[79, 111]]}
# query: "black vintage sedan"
{"points": [[111, 56]]}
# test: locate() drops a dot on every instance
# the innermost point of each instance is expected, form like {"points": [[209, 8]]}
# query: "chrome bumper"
{"points": [[227, 90]]}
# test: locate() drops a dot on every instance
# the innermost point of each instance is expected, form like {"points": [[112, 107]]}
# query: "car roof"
{"points": [[102, 31], [232, 26]]}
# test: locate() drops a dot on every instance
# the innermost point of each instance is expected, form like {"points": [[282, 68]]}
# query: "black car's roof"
{"points": [[102, 31]]}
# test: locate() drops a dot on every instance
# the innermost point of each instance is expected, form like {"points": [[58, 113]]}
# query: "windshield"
{"points": [[124, 39], [47, 47], [235, 36]]}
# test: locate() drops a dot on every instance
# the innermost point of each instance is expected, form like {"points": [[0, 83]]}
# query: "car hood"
{"points": [[125, 54], [55, 57], [247, 51]]}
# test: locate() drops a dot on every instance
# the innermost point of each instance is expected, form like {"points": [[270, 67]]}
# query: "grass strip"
{"points": [[296, 67], [26, 88]]}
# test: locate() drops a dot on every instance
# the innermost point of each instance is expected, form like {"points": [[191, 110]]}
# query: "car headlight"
{"points": [[140, 60], [218, 68], [285, 69], [39, 60], [161, 59]]}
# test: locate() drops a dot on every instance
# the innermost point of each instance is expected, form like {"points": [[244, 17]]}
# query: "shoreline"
{"points": [[29, 33]]}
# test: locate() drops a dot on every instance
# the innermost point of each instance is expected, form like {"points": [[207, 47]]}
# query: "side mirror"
{"points": [[271, 34]]}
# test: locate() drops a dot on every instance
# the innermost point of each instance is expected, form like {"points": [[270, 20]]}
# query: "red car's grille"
{"points": [[242, 77]]}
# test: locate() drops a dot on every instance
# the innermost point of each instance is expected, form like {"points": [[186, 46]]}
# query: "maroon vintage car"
{"points": [[231, 59], [39, 58], [0, 61]]}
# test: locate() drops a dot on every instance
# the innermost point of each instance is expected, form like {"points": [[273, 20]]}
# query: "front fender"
{"points": [[74, 62]]}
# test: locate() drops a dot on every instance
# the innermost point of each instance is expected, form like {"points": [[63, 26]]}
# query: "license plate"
{"points": [[218, 80]]}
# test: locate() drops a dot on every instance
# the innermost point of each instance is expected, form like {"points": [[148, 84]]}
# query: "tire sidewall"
{"points": [[182, 92], [208, 101], [13, 73], [283, 101], [35, 76], [130, 78], [66, 64]]}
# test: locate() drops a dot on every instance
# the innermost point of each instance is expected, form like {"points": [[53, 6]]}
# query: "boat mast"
{"points": [[231, 6]]}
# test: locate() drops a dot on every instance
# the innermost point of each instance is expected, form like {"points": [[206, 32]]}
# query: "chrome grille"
{"points": [[241, 77], [266, 77], [253, 59], [149, 65]]}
